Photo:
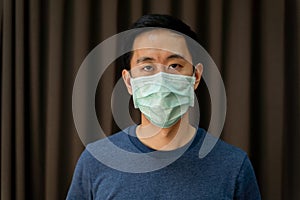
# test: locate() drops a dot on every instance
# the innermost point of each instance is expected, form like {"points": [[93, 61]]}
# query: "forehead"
{"points": [[160, 42]]}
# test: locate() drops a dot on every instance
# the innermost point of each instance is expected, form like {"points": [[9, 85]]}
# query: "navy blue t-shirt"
{"points": [[225, 173]]}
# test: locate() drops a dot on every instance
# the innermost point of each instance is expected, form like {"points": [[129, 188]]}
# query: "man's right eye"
{"points": [[148, 68]]}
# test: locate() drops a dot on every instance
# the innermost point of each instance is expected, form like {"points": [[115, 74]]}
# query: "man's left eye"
{"points": [[175, 66]]}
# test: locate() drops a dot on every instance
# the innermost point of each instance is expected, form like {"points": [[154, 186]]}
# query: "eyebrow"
{"points": [[173, 56], [143, 59]]}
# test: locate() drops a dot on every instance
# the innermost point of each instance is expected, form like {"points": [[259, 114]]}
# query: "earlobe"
{"points": [[198, 74], [126, 79]]}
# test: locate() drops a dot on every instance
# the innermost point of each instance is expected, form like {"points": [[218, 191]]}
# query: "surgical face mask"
{"points": [[163, 98]]}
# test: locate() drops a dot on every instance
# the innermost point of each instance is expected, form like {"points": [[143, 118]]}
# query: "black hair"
{"points": [[156, 21]]}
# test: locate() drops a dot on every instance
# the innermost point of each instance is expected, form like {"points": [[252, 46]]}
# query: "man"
{"points": [[161, 75]]}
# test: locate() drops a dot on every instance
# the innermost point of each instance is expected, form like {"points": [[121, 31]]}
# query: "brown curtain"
{"points": [[254, 43]]}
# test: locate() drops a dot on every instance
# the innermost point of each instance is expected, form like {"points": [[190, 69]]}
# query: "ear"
{"points": [[198, 74], [126, 79]]}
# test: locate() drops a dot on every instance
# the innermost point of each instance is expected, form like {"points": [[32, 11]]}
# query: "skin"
{"points": [[160, 46]]}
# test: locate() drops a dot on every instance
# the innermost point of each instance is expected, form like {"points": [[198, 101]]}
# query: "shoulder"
{"points": [[233, 164], [229, 155], [98, 152], [119, 140], [219, 152], [230, 151], [213, 145]]}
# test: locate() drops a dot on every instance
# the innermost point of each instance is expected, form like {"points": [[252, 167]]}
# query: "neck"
{"points": [[165, 138]]}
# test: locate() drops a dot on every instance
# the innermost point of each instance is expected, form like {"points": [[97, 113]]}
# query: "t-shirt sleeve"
{"points": [[246, 184], [81, 183]]}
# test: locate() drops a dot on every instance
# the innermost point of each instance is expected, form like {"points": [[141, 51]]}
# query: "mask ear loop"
{"points": [[194, 70]]}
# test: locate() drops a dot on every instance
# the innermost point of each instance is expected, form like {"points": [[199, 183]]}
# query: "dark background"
{"points": [[255, 45]]}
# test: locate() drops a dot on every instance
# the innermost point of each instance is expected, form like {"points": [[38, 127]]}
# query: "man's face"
{"points": [[157, 51], [160, 51]]}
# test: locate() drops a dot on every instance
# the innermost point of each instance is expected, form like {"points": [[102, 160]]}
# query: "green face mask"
{"points": [[163, 98]]}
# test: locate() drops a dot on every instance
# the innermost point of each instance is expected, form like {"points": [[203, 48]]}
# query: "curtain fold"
{"points": [[272, 95], [236, 69], [255, 45], [7, 102], [291, 137], [54, 88], [20, 88]]}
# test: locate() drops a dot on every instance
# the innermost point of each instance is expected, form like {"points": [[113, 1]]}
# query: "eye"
{"points": [[148, 68], [175, 66]]}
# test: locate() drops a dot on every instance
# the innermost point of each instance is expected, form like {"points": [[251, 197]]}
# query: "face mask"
{"points": [[163, 98]]}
